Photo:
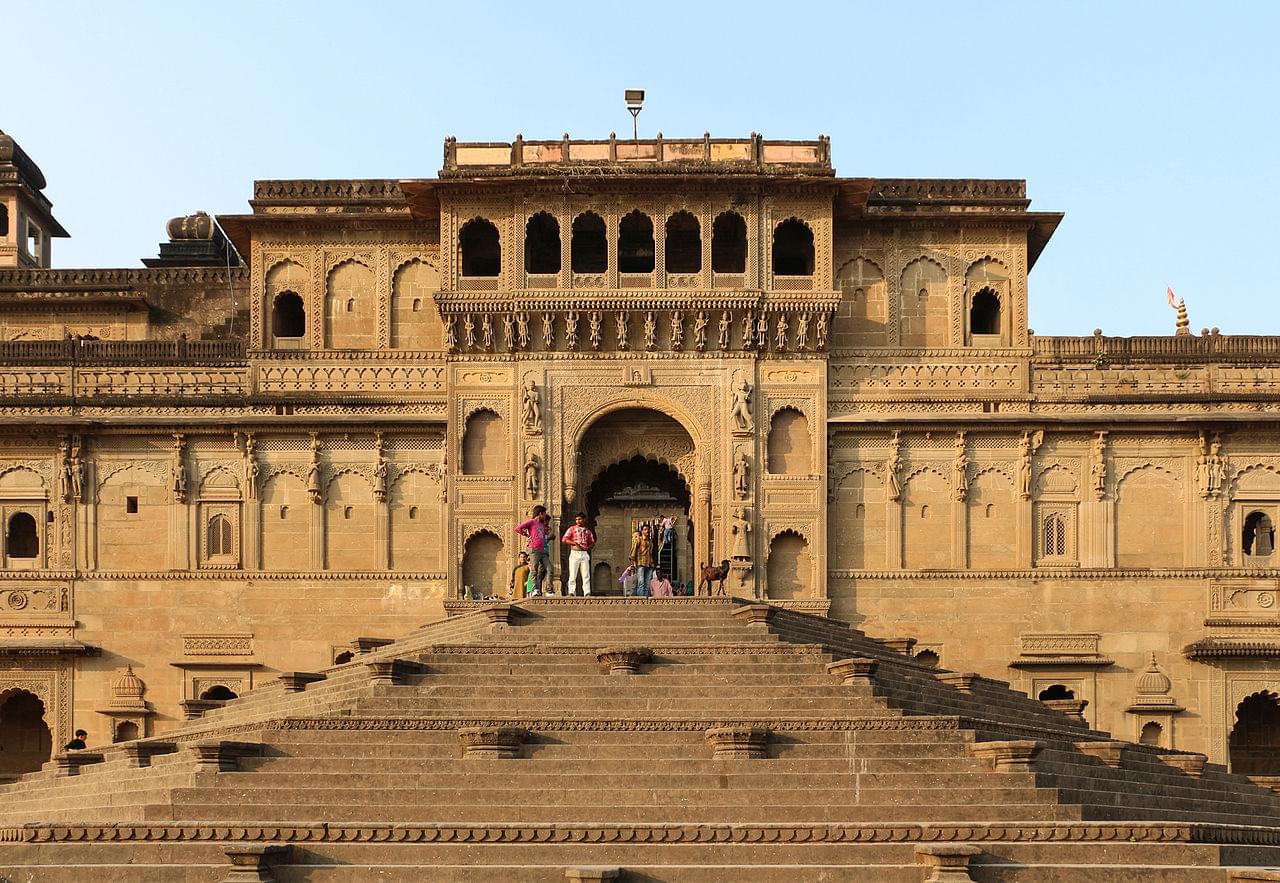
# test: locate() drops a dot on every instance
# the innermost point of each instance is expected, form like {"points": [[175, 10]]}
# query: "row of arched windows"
{"points": [[480, 248]]}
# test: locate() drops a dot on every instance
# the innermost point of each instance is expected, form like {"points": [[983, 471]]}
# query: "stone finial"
{"points": [[197, 226], [1183, 324], [624, 660], [1109, 752], [738, 742], [127, 691], [946, 862], [856, 670], [497, 742], [1009, 756]]}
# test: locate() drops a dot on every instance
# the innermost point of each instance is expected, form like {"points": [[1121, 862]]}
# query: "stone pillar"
{"points": [[252, 534], [181, 535], [1024, 514], [893, 534], [959, 535], [703, 553], [317, 536], [382, 533]]}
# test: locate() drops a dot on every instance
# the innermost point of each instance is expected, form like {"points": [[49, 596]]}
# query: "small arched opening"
{"points": [[484, 444], [984, 313], [219, 536], [1255, 738], [1151, 733], [602, 578], [1056, 691], [218, 693], [542, 244], [927, 657], [729, 244], [1053, 540], [789, 445], [22, 539], [288, 316], [1258, 538], [482, 565], [25, 735], [684, 244], [635, 243], [589, 248], [480, 250], [789, 570], [126, 731], [792, 249]]}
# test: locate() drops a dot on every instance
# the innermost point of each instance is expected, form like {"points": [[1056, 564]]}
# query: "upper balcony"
{"points": [[628, 157]]}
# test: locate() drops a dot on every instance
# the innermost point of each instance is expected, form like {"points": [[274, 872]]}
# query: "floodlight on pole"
{"points": [[635, 100]]}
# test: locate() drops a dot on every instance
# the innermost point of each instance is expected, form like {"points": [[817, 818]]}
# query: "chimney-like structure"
{"points": [[26, 215]]}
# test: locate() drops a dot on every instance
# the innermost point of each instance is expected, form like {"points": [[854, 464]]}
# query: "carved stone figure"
{"points": [[893, 468], [741, 475], [532, 476], [65, 485], [469, 332], [650, 332], [531, 407], [820, 331], [960, 470], [741, 530], [252, 470], [451, 334], [380, 479], [677, 330], [802, 332], [1203, 480], [571, 330], [79, 474], [315, 486], [620, 320], [508, 332], [762, 333], [593, 328], [1217, 468], [486, 333], [780, 335], [726, 324], [748, 329], [741, 409], [1024, 467], [522, 330], [179, 470], [548, 331], [1098, 466], [700, 332]]}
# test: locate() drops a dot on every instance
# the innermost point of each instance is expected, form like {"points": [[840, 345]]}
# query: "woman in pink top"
{"points": [[660, 586]]}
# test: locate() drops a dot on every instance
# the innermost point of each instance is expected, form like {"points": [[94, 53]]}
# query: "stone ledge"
{"points": [[1111, 752], [624, 660], [492, 742], [855, 670], [1191, 764], [738, 742], [946, 862], [70, 763], [223, 756], [297, 681], [1010, 755], [251, 863]]}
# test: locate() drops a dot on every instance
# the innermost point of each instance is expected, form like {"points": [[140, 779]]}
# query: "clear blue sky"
{"points": [[1152, 125]]}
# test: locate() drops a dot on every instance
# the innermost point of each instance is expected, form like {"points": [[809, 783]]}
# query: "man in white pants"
{"points": [[579, 539]]}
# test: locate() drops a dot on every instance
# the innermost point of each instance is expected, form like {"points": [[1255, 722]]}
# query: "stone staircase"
{"points": [[685, 739]]}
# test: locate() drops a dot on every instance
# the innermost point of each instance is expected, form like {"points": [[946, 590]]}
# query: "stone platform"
{"points": [[635, 739]]}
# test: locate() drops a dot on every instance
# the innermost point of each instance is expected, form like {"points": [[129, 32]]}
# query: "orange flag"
{"points": [[1173, 301]]}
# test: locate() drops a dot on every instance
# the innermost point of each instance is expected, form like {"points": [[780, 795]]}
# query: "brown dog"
{"points": [[718, 573]]}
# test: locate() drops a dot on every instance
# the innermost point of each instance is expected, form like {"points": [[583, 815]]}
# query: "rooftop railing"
{"points": [[118, 352]]}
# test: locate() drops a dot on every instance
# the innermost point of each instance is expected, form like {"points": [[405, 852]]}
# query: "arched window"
{"points": [[1056, 691], [542, 244], [1259, 535], [1255, 738], [589, 248], [1054, 536], [1150, 733], [484, 444], [927, 657], [984, 313], [22, 540], [126, 731], [4, 220], [729, 244], [635, 244], [220, 535], [288, 315], [479, 248], [792, 249], [219, 693], [684, 244], [789, 447]]}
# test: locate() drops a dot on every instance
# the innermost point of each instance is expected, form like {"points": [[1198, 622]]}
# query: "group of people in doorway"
{"points": [[531, 575]]}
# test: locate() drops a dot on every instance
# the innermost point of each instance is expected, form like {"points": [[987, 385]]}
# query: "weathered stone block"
{"points": [[624, 660], [1109, 752], [1009, 756], [296, 681], [738, 742], [946, 862], [855, 670], [496, 742]]}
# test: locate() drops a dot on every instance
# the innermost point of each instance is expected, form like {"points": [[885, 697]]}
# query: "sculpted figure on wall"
{"points": [[179, 470], [1030, 443], [820, 331], [571, 330], [1217, 467], [79, 473], [252, 469], [677, 331], [380, 475], [469, 332], [762, 333], [522, 330], [802, 332], [508, 332], [486, 333], [315, 486], [548, 331], [1098, 466], [620, 320], [65, 486], [741, 409], [650, 332], [532, 475], [1203, 480], [451, 334], [748, 329], [531, 408], [893, 468], [593, 329], [700, 332], [960, 470], [726, 324], [741, 475], [780, 335], [741, 530]]}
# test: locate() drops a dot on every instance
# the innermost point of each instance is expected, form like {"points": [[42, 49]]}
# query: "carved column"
{"points": [[1024, 513], [959, 534]]}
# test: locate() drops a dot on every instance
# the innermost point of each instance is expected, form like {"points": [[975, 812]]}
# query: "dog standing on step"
{"points": [[711, 574]]}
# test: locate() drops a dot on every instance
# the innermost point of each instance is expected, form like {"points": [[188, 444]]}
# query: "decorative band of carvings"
{"points": [[310, 576], [589, 648], [322, 832], [625, 725], [1073, 573]]}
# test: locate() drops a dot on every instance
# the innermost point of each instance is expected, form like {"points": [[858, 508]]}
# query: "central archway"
{"points": [[637, 465], [24, 734]]}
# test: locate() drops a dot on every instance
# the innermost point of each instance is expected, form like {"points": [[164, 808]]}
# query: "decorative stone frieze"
{"points": [[492, 742]]}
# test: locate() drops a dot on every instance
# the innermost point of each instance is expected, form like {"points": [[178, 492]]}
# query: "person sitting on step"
{"points": [[660, 586]]}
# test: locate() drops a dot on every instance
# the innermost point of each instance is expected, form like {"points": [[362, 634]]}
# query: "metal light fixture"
{"points": [[635, 100]]}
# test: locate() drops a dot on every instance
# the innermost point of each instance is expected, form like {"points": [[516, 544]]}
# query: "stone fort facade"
{"points": [[267, 450]]}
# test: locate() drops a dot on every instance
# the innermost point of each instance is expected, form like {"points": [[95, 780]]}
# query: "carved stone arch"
{"points": [[802, 530], [928, 467], [1052, 470], [843, 472], [860, 256], [1253, 468], [151, 469], [999, 468], [359, 472], [790, 563], [637, 399], [14, 468], [924, 258], [276, 471], [399, 472], [1125, 472], [474, 530], [217, 478]]}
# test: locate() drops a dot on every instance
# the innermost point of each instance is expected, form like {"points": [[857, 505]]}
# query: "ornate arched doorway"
{"points": [[638, 465], [1255, 739], [24, 735]]}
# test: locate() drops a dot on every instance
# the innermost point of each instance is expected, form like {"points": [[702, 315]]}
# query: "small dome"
{"points": [[1153, 681], [128, 687]]}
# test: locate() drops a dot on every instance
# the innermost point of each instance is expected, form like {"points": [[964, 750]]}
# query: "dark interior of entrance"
{"points": [[24, 736], [630, 493], [1255, 739]]}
